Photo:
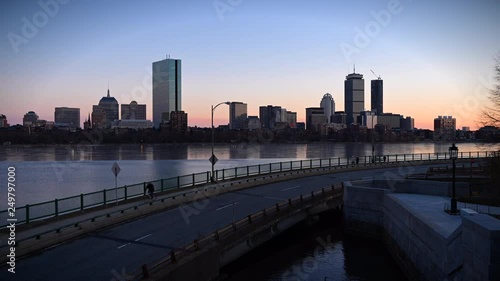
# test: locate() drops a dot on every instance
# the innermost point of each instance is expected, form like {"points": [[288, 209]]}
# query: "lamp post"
{"points": [[453, 150], [213, 159]]}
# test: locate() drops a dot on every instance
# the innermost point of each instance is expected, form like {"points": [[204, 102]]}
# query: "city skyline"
{"points": [[287, 53]]}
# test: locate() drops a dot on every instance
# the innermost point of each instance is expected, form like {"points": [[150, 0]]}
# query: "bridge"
{"points": [[183, 222]]}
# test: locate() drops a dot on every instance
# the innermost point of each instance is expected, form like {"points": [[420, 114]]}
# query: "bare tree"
{"points": [[491, 114]]}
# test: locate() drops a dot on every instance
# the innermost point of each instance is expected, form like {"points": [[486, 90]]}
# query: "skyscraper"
{"points": [[328, 105], [237, 115], [167, 90], [354, 96], [378, 96]]}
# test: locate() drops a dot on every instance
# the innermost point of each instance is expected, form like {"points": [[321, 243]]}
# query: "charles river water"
{"points": [[310, 251]]}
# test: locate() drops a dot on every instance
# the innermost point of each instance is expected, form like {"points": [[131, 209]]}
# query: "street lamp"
{"points": [[213, 159], [453, 150]]}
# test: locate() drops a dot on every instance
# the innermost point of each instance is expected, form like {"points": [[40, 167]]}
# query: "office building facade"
{"points": [[444, 128], [133, 111], [354, 97], [237, 116], [167, 89], [269, 116], [315, 117], [377, 96], [67, 117]]}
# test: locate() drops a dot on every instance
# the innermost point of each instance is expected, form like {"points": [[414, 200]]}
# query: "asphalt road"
{"points": [[108, 254]]}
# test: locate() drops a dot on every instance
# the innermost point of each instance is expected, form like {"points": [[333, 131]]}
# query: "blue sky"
{"points": [[435, 58]]}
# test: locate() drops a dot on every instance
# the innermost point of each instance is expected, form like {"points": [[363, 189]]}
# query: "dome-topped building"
{"points": [[328, 105], [105, 112]]}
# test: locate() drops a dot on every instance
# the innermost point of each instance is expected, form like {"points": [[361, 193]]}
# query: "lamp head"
{"points": [[453, 149]]}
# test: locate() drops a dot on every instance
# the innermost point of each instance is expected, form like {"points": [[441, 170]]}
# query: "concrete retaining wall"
{"points": [[428, 244]]}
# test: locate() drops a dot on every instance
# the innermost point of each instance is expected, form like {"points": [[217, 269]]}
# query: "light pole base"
{"points": [[453, 205]]}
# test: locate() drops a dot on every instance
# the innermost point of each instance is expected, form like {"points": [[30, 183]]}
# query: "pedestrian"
{"points": [[151, 189]]}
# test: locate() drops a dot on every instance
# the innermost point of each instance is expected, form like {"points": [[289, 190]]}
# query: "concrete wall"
{"points": [[363, 210], [481, 246], [435, 257], [428, 244]]}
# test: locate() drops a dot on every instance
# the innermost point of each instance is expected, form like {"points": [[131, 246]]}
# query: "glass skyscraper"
{"points": [[378, 96], [167, 91]]}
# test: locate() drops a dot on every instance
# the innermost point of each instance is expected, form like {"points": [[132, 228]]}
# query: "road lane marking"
{"points": [[123, 246], [226, 206], [142, 237], [293, 187], [138, 239]]}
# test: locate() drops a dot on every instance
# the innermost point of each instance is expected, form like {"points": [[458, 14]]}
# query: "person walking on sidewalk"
{"points": [[151, 189]]}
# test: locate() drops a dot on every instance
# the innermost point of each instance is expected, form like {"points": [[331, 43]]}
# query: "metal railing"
{"points": [[244, 225], [57, 207]]}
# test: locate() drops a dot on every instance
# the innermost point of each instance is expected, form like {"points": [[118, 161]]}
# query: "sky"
{"points": [[435, 57]]}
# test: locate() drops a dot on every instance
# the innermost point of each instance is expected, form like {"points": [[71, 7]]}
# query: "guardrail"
{"points": [[81, 202], [279, 210]]}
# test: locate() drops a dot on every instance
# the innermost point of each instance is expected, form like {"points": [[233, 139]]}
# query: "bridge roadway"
{"points": [[108, 254]]}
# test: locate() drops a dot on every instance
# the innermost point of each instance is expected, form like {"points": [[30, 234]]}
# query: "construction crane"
{"points": [[378, 77]]}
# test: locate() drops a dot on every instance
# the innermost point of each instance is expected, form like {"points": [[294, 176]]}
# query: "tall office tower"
{"points": [[354, 96], [378, 96], [328, 105], [444, 128], [269, 116], [65, 116], [105, 112], [237, 115], [133, 111], [167, 90]]}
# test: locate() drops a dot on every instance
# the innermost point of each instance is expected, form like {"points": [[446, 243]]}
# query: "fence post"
{"points": [[301, 164], [281, 166], [27, 213], [235, 172], [396, 158], [329, 162], [248, 171], [56, 207], [404, 157], [193, 180], [270, 167], [81, 201], [310, 164], [178, 182], [125, 191], [259, 169], [291, 165], [104, 196], [223, 173], [161, 184], [339, 161]]}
